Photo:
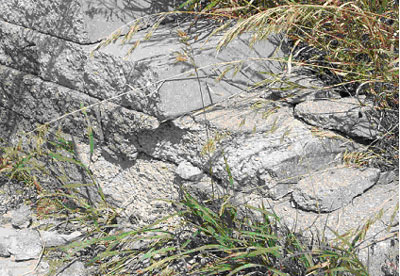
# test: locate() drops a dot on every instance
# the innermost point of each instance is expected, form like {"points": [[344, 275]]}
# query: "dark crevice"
{"points": [[55, 36], [143, 153], [55, 83], [365, 191], [79, 91], [357, 139], [19, 114]]}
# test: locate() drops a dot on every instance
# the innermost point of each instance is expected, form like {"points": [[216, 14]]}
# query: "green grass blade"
{"points": [[261, 251], [77, 185], [243, 267], [91, 140], [63, 158]]}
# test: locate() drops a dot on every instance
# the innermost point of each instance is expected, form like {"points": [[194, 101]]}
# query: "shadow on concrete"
{"points": [[124, 10], [84, 22]]}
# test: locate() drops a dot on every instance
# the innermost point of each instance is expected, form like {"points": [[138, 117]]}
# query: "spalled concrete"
{"points": [[176, 113]]}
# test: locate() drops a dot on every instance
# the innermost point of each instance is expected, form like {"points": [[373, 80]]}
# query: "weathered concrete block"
{"points": [[30, 97], [25, 244], [177, 89], [275, 158], [49, 58], [12, 268], [82, 22], [270, 149], [347, 115], [135, 187], [332, 189], [21, 218], [51, 239], [166, 88]]}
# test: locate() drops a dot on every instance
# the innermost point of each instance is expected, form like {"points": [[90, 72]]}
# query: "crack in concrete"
{"points": [[359, 140], [78, 91], [55, 36], [19, 114]]}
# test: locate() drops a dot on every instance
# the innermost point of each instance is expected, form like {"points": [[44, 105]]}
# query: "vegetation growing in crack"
{"points": [[214, 237], [351, 45]]}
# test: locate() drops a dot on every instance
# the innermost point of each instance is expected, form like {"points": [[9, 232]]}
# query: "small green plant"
{"points": [[44, 160], [213, 236], [216, 238], [351, 45]]}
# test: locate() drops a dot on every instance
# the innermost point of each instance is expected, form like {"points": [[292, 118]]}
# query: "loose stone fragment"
{"points": [[21, 218], [51, 239], [189, 172], [25, 245]]}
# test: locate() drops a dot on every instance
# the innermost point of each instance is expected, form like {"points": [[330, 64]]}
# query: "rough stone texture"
{"points": [[245, 113], [265, 147], [389, 258], [12, 123], [60, 18], [332, 189], [46, 71], [277, 157], [5, 240], [75, 269], [63, 63], [388, 178], [377, 246], [381, 258], [136, 188], [25, 244], [21, 218], [26, 268], [12, 195], [312, 224], [83, 22], [4, 250], [187, 171], [72, 78], [157, 60], [20, 250], [346, 115], [30, 97], [51, 239], [164, 83], [50, 58], [174, 144], [378, 251]]}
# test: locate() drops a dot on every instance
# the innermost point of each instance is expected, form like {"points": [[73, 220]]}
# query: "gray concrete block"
{"points": [[29, 96], [178, 90], [166, 88], [332, 189], [82, 22], [348, 115]]}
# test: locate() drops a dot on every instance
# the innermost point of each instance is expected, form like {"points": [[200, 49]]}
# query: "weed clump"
{"points": [[352, 46]]}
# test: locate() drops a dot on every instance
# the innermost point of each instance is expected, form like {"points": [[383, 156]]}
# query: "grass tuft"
{"points": [[351, 45]]}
